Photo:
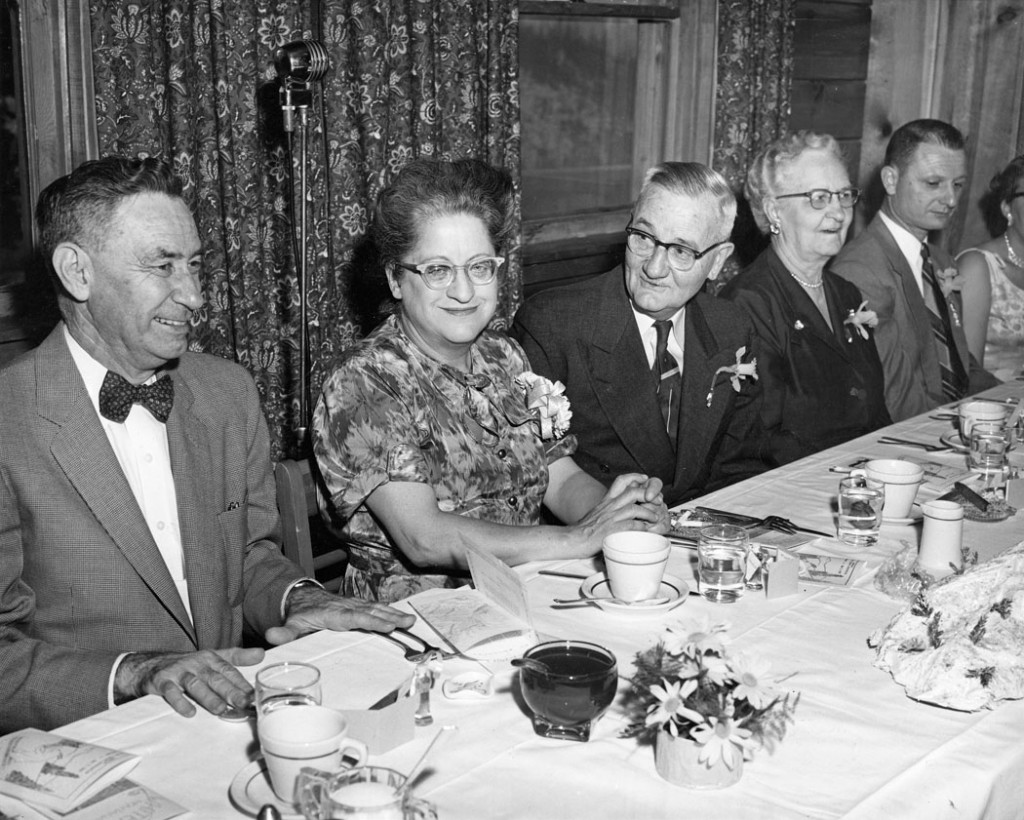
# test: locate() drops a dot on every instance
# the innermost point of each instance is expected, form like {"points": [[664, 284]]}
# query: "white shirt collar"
{"points": [[645, 324], [93, 373], [908, 244]]}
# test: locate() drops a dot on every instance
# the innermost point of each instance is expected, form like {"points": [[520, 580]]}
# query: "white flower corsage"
{"points": [[861, 319], [949, 280], [548, 400], [798, 325], [738, 371]]}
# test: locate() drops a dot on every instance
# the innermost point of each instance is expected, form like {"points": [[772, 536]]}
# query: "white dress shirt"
{"points": [[649, 336], [910, 246], [140, 444]]}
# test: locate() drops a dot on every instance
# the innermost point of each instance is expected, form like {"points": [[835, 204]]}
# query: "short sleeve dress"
{"points": [[390, 412], [1004, 340]]}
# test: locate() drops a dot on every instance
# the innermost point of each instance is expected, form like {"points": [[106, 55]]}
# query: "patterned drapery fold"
{"points": [[194, 81], [752, 99]]}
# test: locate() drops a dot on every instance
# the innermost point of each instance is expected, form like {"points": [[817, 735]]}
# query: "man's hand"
{"points": [[310, 609], [208, 677]]}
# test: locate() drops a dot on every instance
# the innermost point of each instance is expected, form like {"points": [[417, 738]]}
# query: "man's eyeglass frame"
{"points": [[657, 243]]}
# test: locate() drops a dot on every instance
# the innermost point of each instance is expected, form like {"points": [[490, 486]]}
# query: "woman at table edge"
{"points": [[992, 277], [422, 433], [820, 372]]}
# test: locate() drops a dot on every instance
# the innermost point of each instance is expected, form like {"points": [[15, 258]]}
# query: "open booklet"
{"points": [[490, 622], [44, 775]]}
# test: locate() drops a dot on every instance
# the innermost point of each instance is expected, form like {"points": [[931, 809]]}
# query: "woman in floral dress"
{"points": [[431, 435]]}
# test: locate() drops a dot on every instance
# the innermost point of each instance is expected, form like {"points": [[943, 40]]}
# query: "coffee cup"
{"points": [[299, 736], [901, 480], [971, 412], [635, 564]]}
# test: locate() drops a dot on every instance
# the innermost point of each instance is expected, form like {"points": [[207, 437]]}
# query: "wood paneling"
{"points": [[831, 40], [835, 108]]}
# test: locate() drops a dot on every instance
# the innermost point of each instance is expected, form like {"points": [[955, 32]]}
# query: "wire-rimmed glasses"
{"points": [[439, 275], [821, 197], [680, 257]]}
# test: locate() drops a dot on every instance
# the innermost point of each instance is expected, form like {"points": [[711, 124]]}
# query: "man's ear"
{"points": [[890, 176], [393, 284], [722, 253], [73, 267]]}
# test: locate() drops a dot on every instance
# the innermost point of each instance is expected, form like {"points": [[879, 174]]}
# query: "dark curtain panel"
{"points": [[194, 81], [752, 101]]}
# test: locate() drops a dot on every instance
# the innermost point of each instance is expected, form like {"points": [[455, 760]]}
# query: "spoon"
{"points": [[646, 602], [539, 667], [418, 766]]}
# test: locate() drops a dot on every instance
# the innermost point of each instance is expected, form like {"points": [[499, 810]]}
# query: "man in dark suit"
{"points": [[138, 529], [618, 342], [907, 279]]}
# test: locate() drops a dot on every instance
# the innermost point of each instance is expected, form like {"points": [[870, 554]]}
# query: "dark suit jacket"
{"points": [[81, 579], [822, 386], [585, 336], [873, 262]]}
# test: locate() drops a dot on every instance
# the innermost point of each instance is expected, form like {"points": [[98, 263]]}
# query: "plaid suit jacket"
{"points": [[81, 579]]}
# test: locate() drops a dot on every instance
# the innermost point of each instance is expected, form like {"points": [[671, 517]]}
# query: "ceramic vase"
{"points": [[676, 761]]}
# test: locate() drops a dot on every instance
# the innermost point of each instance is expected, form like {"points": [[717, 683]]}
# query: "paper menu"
{"points": [[48, 770]]}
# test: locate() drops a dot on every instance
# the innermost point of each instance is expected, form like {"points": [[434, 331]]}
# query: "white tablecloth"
{"points": [[859, 748]]}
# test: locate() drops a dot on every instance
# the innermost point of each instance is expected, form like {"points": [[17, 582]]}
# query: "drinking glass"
{"points": [[861, 500], [989, 446], [722, 562], [366, 793], [287, 684]]}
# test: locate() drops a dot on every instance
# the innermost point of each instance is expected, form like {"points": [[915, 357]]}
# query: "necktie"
{"points": [[954, 377], [670, 378], [117, 395]]}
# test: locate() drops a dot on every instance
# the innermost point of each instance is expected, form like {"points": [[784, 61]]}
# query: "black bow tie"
{"points": [[117, 395]]}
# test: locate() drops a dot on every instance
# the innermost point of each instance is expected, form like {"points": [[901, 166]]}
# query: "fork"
{"points": [[775, 522], [930, 448], [420, 655]]}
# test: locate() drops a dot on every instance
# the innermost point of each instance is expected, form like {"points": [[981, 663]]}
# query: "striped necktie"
{"points": [[954, 377], [670, 378]]}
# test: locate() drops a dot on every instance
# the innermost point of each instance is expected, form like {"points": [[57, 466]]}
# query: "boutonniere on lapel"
{"points": [[950, 280], [798, 325], [860, 320], [737, 372], [548, 404]]}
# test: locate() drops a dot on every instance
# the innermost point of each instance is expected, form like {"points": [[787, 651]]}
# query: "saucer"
{"points": [[597, 589], [951, 438], [915, 516], [250, 791]]}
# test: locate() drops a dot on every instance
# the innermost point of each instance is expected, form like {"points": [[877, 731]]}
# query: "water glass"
{"points": [[861, 500], [366, 793], [722, 562], [287, 684], [989, 446]]}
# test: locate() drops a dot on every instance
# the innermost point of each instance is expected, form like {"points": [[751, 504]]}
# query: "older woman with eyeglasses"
{"points": [[432, 435], [819, 369]]}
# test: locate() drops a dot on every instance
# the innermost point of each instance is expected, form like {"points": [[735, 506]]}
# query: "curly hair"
{"points": [[426, 189], [766, 169]]}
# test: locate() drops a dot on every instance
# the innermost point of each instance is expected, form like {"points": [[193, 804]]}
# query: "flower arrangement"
{"points": [[547, 400], [691, 685], [737, 372], [860, 319]]}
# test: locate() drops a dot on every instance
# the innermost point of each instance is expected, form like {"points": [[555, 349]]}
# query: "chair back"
{"points": [[298, 501]]}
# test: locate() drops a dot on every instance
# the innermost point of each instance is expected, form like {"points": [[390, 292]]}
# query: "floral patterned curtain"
{"points": [[194, 80], [752, 102]]}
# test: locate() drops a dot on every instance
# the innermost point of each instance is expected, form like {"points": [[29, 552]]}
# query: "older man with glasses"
{"points": [[660, 375]]}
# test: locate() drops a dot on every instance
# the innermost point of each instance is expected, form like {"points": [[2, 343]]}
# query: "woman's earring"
{"points": [[774, 228]]}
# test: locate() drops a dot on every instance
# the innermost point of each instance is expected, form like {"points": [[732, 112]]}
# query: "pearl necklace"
{"points": [[1010, 254], [810, 285]]}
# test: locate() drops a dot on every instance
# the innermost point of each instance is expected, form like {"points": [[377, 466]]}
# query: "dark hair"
{"points": [[694, 180], [78, 207], [1000, 189], [905, 139], [426, 189], [766, 168]]}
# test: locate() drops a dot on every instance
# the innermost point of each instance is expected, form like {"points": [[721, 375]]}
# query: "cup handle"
{"points": [[353, 753]]}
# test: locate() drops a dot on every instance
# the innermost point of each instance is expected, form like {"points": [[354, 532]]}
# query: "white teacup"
{"points": [[971, 412], [635, 564], [901, 480], [299, 736]]}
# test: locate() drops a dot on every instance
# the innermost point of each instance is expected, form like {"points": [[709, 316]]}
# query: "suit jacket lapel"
{"points": [[800, 304], [623, 383], [83, 451]]}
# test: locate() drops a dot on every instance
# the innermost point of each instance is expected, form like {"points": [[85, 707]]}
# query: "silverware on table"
{"points": [[559, 574], [422, 684], [930, 448]]}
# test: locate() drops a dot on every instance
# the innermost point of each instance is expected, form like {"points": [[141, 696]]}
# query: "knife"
{"points": [[388, 699]]}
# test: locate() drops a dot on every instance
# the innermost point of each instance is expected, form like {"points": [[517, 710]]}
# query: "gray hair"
{"points": [[765, 170], [694, 180]]}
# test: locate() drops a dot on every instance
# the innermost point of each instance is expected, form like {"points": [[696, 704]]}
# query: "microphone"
{"points": [[298, 64]]}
